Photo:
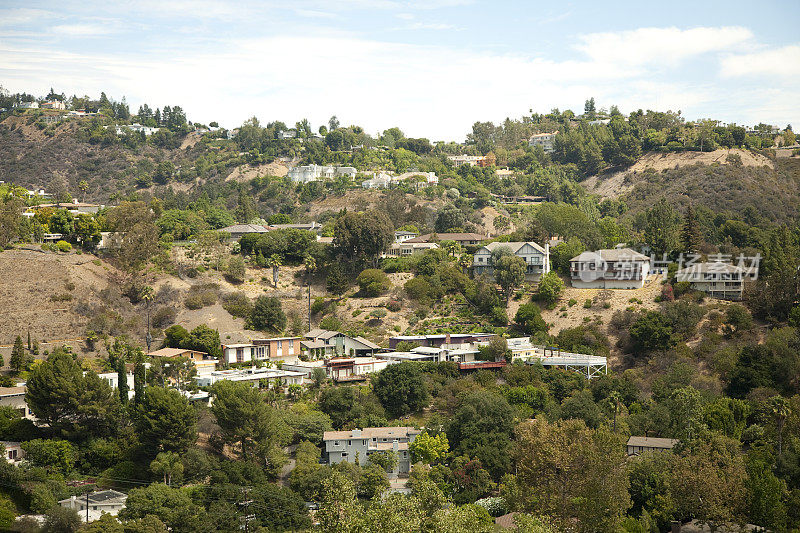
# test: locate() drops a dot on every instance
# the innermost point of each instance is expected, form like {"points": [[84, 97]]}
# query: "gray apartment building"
{"points": [[359, 444]]}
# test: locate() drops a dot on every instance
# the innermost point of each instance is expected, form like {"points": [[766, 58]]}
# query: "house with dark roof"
{"points": [[536, 257], [237, 231], [91, 507], [616, 268], [639, 445], [323, 343]]}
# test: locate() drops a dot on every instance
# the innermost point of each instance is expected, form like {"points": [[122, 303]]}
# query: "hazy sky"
{"points": [[431, 67]]}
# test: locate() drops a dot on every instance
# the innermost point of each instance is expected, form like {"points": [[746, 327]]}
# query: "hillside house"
{"points": [[203, 362], [471, 160], [28, 105], [14, 452], [464, 354], [406, 248], [617, 268], [443, 340], [402, 236], [464, 239], [255, 375], [90, 507], [309, 173], [14, 397], [545, 140], [336, 342], [358, 444], [379, 180], [54, 104], [537, 259], [717, 279], [286, 349], [639, 445], [305, 226], [237, 231]]}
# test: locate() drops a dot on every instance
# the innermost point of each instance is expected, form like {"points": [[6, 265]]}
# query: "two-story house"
{"points": [[336, 342], [464, 239], [286, 349], [359, 444], [537, 258], [545, 140], [719, 280], [617, 268]]}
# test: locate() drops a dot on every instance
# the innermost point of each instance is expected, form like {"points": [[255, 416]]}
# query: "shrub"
{"points": [[63, 246], [530, 319], [393, 306], [317, 305], [378, 313], [373, 282], [236, 270], [418, 289], [550, 288], [681, 288], [587, 304], [330, 323], [63, 297], [193, 301], [572, 301], [165, 316], [237, 304]]}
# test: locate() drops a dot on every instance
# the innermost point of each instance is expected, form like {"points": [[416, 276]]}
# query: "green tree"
{"points": [[652, 331], [268, 314], [662, 223], [509, 273], [245, 419], [61, 520], [174, 507], [691, 237], [167, 464], [550, 288], [54, 455], [450, 219], [529, 319], [571, 472], [373, 282], [166, 421], [60, 395], [429, 449], [401, 389], [19, 358]]}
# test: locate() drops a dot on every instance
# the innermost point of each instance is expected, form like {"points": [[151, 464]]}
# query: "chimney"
{"points": [[447, 339], [356, 433], [395, 445]]}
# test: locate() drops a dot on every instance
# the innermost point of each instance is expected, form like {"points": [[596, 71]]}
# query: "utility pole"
{"points": [[309, 305], [87, 506], [245, 504]]}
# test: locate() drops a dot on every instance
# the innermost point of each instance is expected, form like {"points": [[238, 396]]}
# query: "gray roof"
{"points": [[611, 255], [245, 228], [368, 433], [652, 442], [448, 237], [513, 246], [367, 343]]}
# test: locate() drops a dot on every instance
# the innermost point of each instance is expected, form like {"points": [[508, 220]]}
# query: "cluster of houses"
{"points": [[309, 173], [385, 180]]}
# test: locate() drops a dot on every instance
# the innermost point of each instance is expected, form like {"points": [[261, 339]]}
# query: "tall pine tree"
{"points": [[691, 237], [122, 382], [19, 359]]}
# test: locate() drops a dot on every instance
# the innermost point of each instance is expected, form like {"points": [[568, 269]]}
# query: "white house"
{"points": [[545, 140], [254, 375], [90, 507], [336, 342], [28, 105], [308, 173], [401, 236], [54, 104], [147, 130], [14, 397], [537, 259], [471, 160], [717, 279], [407, 248], [286, 349], [379, 180], [14, 452], [616, 268]]}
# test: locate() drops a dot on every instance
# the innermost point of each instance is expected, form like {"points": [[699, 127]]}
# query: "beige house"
{"points": [[14, 451], [719, 280], [204, 363], [639, 445], [286, 349], [14, 397], [616, 268]]}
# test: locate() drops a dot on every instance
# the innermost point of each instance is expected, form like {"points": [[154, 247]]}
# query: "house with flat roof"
{"points": [[14, 453], [358, 444], [639, 445], [254, 375], [91, 507], [537, 258], [286, 349], [203, 362], [14, 397], [470, 160], [717, 279], [616, 268], [464, 239], [545, 140], [446, 340]]}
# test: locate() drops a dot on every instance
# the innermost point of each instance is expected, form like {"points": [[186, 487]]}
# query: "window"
{"points": [[239, 355], [336, 443], [259, 352]]}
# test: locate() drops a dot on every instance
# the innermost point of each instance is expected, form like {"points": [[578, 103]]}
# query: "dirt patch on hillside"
{"points": [[614, 185], [41, 289], [246, 172]]}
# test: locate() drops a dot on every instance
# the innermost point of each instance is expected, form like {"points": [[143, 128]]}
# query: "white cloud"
{"points": [[84, 30], [660, 45], [18, 16], [427, 26], [780, 62], [432, 91], [313, 13]]}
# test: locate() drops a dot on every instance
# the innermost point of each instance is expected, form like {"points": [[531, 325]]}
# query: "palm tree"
{"points": [[147, 294], [168, 464], [780, 408], [275, 261], [615, 400]]}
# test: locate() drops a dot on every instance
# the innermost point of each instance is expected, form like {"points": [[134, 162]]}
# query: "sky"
{"points": [[430, 67]]}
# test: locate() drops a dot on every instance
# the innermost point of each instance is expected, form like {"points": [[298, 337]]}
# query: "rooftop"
{"points": [[369, 433], [449, 237], [172, 352], [652, 442], [513, 246], [611, 255], [715, 267]]}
